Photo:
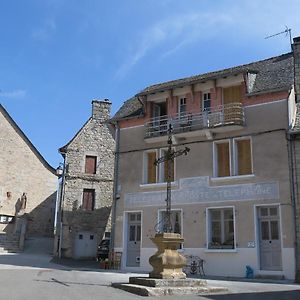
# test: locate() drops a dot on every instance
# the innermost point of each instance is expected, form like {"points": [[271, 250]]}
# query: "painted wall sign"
{"points": [[197, 190]]}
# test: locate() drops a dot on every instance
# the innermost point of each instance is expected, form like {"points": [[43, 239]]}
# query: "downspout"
{"points": [[61, 208], [115, 187], [293, 189]]}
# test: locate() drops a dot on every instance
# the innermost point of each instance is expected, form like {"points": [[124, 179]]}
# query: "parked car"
{"points": [[103, 249]]}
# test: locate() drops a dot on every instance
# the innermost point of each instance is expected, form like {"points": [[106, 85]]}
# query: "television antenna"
{"points": [[287, 31]]}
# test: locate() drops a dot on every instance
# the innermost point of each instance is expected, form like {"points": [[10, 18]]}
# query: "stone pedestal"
{"points": [[167, 263]]}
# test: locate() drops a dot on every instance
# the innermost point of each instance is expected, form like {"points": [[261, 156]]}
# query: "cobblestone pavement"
{"points": [[35, 276]]}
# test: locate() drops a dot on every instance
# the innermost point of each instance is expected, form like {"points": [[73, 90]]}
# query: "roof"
{"points": [[63, 149], [25, 139], [131, 108], [272, 74]]}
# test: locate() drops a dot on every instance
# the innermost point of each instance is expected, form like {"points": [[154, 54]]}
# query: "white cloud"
{"points": [[177, 30], [13, 94]]}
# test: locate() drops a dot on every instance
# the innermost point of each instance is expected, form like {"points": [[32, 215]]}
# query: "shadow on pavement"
{"points": [[276, 295]]}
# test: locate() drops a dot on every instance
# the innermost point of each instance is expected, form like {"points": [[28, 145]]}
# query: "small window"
{"points": [[88, 201], [90, 164], [182, 107], [80, 236], [91, 237], [206, 102], [221, 228]]}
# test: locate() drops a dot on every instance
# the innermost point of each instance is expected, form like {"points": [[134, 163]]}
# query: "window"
{"points": [[233, 157], [206, 102], [221, 228], [88, 199], [182, 106], [90, 164], [175, 221], [157, 173]]}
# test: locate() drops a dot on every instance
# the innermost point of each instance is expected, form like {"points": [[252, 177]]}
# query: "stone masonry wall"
{"points": [[96, 139], [21, 171]]}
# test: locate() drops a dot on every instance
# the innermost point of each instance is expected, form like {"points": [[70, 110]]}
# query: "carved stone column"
{"points": [[167, 263]]}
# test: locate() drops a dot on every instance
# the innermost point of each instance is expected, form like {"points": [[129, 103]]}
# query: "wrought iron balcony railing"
{"points": [[229, 114]]}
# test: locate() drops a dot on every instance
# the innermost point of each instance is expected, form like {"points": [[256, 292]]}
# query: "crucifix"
{"points": [[169, 159]]}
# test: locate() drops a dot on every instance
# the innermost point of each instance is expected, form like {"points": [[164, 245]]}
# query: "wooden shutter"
{"points": [[244, 157], [166, 164], [88, 199], [90, 164], [232, 94], [151, 171], [223, 159]]}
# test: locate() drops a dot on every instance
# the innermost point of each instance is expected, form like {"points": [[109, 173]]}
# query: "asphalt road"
{"points": [[35, 277]]}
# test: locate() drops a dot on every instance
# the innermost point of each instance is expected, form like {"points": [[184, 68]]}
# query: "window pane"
{"points": [[274, 230], [151, 167], [263, 211], [138, 233], [132, 217], [223, 159], [264, 230], [215, 214], [132, 233], [244, 157], [273, 211], [228, 214], [138, 217], [90, 164], [228, 234], [216, 232]]}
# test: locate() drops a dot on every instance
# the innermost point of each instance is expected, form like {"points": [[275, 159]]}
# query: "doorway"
{"points": [[133, 239], [269, 238]]}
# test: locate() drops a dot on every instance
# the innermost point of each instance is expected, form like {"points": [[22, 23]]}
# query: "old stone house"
{"points": [[86, 186], [27, 187], [231, 195]]}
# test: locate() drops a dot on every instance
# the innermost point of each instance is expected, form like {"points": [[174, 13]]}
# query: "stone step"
{"points": [[165, 291], [153, 282]]}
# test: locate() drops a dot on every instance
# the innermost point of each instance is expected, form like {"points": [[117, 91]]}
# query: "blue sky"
{"points": [[58, 55]]}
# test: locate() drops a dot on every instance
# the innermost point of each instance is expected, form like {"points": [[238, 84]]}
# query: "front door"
{"points": [[133, 239], [270, 244]]}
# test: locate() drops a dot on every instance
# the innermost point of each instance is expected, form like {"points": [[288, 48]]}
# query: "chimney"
{"points": [[296, 51], [101, 110]]}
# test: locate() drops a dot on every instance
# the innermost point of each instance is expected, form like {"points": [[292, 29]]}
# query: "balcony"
{"points": [[221, 118]]}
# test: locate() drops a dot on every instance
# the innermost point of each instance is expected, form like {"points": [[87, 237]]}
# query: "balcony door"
{"points": [[159, 112], [231, 95]]}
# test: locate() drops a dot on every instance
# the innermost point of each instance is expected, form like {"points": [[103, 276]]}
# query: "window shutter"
{"points": [[223, 159], [88, 199], [232, 94], [244, 157], [166, 164], [151, 167], [90, 164]]}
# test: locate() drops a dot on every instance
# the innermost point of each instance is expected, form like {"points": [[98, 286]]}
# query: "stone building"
{"points": [[27, 187], [87, 186], [231, 195]]}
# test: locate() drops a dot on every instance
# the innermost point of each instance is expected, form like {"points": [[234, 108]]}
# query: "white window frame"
{"points": [[208, 230], [233, 165], [159, 168], [215, 158], [205, 93], [145, 166], [235, 158], [161, 210], [179, 105]]}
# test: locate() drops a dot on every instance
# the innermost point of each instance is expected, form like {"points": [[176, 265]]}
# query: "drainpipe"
{"points": [[61, 207], [115, 188], [293, 190]]}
